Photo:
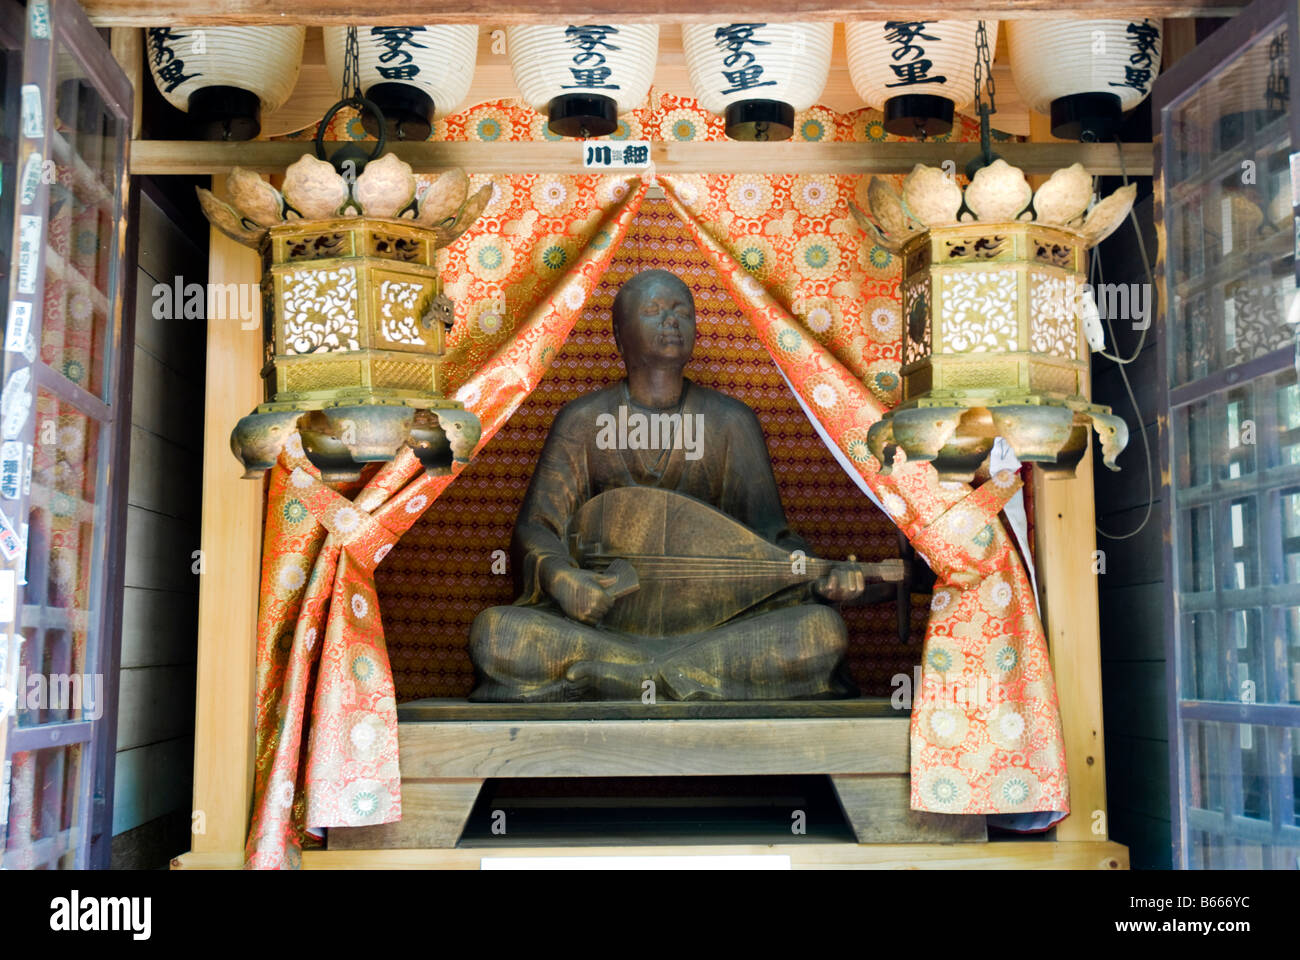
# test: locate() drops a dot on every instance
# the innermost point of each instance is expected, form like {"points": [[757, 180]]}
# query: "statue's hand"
{"points": [[581, 594], [844, 582]]}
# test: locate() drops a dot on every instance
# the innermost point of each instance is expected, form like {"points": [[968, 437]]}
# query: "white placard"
{"points": [[620, 155], [20, 321], [759, 861]]}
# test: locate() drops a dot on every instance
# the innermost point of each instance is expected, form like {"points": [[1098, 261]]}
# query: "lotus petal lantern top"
{"points": [[994, 297], [314, 190], [355, 315]]}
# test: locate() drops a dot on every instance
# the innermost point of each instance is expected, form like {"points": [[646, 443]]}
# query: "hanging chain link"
{"points": [[351, 67], [983, 71]]}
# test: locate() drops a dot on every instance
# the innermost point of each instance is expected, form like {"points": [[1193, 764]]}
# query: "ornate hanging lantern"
{"points": [[353, 309], [758, 75], [413, 74], [917, 72], [225, 77], [583, 75], [1086, 73], [994, 298], [994, 304]]}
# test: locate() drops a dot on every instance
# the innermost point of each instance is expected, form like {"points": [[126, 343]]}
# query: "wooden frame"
{"points": [[232, 511], [144, 13]]}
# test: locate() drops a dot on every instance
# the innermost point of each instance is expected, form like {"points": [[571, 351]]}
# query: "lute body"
{"points": [[692, 567]]}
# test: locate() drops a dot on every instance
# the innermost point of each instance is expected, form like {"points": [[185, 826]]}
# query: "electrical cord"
{"points": [[1122, 362]]}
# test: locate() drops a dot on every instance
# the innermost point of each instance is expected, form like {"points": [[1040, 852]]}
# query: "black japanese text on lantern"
{"points": [[589, 69], [168, 67], [911, 65], [740, 66], [393, 40], [1137, 74]]}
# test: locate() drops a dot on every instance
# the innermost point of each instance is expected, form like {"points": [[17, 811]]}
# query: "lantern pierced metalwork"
{"points": [[994, 295], [355, 316]]}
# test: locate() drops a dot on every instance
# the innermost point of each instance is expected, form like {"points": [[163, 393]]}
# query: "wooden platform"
{"points": [[450, 747]]}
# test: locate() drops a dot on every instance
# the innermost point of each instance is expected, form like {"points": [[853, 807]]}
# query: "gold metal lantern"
{"points": [[994, 297], [355, 317]]}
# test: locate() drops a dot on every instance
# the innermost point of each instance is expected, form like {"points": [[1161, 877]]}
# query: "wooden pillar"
{"points": [[127, 44], [229, 585], [1065, 536]]}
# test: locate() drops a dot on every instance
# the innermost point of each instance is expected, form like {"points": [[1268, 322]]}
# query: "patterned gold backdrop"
{"points": [[439, 575]]}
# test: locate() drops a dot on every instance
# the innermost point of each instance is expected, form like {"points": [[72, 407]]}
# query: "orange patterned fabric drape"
{"points": [[326, 739], [986, 733]]}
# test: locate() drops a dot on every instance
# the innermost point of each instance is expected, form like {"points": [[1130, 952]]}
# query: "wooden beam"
{"points": [[1009, 855], [229, 585], [147, 13], [197, 157]]}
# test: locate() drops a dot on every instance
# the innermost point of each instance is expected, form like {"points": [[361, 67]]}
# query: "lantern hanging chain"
{"points": [[983, 82], [351, 67]]}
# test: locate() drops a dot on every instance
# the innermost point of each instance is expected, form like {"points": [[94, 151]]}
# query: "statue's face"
{"points": [[659, 325]]}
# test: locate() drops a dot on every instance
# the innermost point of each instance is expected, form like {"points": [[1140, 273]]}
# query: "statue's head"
{"points": [[654, 320]]}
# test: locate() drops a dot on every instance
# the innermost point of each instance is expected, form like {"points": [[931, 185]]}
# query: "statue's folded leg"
{"points": [[792, 653], [530, 653]]}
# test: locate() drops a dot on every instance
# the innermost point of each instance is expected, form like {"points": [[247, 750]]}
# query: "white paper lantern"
{"points": [[413, 74], [225, 77], [1086, 73], [583, 75], [758, 75], [917, 72]]}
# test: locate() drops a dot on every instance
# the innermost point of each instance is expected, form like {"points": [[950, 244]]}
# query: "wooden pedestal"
{"points": [[450, 747]]}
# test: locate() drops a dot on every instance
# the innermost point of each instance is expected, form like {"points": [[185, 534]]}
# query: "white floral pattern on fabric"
{"points": [[360, 607], [292, 578], [895, 504], [819, 319], [310, 638], [469, 394], [300, 478], [416, 504], [940, 601], [824, 395], [347, 519], [574, 298], [283, 793], [294, 445], [1004, 478], [1001, 593], [382, 552]]}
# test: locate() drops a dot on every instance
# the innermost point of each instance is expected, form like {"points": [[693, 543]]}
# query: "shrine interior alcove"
{"points": [[439, 575]]}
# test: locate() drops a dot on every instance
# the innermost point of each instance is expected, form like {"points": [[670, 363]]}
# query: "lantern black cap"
{"points": [[225, 113], [1090, 117], [918, 115], [760, 120], [582, 115], [408, 111]]}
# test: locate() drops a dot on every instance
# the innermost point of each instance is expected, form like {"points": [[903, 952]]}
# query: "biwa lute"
{"points": [[679, 565]]}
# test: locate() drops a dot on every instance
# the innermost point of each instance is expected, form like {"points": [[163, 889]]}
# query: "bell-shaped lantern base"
{"points": [[918, 115], [408, 111], [582, 115], [341, 440], [760, 120], [958, 439], [1088, 117], [225, 113]]}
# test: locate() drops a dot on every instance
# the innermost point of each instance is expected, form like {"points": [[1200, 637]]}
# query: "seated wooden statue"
{"points": [[653, 548]]}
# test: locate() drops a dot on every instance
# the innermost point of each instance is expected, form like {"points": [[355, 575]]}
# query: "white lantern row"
{"points": [[583, 75], [917, 72], [413, 74], [1086, 73], [758, 75], [225, 77]]}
